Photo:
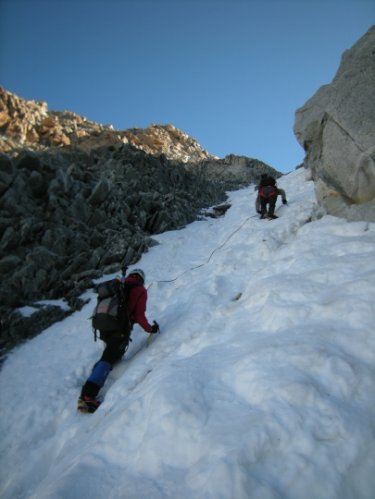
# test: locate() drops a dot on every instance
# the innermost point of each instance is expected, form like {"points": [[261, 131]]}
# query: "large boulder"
{"points": [[336, 127]]}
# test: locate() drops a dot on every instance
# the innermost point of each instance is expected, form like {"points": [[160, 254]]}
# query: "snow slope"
{"points": [[260, 385]]}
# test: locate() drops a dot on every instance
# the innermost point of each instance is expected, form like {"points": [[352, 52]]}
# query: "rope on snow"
{"points": [[212, 252]]}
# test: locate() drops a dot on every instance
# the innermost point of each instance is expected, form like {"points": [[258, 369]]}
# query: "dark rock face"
{"points": [[68, 217]]}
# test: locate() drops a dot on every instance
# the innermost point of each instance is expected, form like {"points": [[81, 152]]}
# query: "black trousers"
{"points": [[271, 202], [115, 347]]}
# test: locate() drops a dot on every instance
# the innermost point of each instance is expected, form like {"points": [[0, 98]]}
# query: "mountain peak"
{"points": [[29, 124]]}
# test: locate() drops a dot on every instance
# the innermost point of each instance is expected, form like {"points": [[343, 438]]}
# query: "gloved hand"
{"points": [[285, 201], [155, 328]]}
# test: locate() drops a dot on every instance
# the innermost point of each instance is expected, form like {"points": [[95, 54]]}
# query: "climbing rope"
{"points": [[211, 254]]}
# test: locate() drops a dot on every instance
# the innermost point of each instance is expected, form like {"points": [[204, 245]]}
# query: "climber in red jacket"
{"points": [[117, 343], [267, 196]]}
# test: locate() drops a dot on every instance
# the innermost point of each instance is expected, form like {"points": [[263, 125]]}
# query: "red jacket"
{"points": [[268, 191], [137, 304]]}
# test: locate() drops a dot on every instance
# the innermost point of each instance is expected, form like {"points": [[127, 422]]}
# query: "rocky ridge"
{"points": [[234, 171], [73, 208], [29, 124]]}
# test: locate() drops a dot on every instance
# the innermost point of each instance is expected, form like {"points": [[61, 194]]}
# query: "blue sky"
{"points": [[230, 73]]}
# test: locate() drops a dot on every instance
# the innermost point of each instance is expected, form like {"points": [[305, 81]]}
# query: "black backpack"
{"points": [[110, 314]]}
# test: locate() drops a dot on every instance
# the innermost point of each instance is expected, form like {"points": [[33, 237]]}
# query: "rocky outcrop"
{"points": [[168, 140], [336, 127], [234, 171], [29, 124]]}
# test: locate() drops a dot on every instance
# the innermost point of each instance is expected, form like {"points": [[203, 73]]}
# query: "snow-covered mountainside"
{"points": [[260, 385]]}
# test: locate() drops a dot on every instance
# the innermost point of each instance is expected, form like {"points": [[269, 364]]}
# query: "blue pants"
{"points": [[113, 352]]}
